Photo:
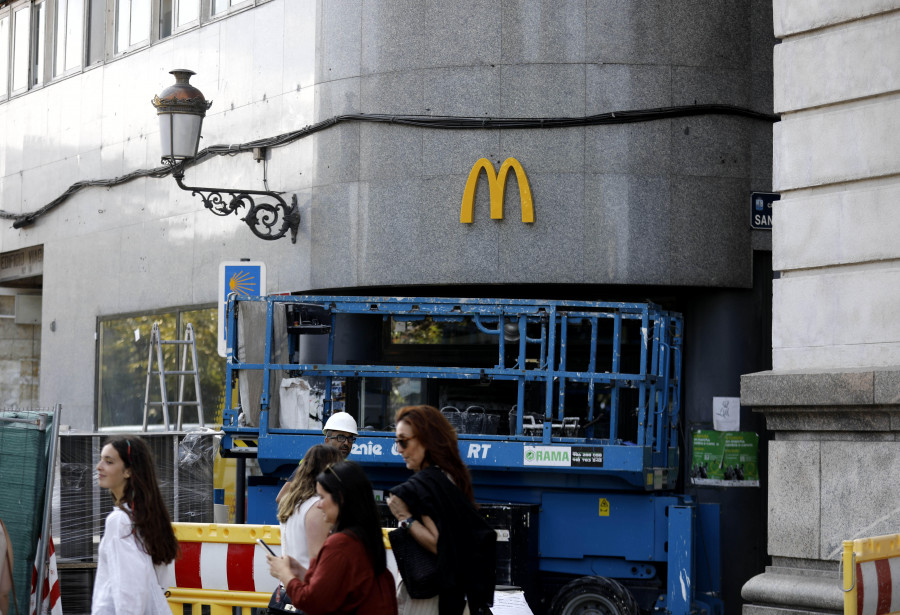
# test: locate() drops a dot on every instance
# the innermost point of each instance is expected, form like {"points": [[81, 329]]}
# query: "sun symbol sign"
{"points": [[241, 283]]}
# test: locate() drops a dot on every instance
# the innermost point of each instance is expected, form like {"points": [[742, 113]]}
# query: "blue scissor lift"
{"points": [[592, 447]]}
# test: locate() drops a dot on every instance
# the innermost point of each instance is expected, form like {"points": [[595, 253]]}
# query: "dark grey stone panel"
{"points": [[398, 93], [812, 388], [454, 152], [692, 85], [387, 151], [629, 149], [711, 146], [856, 501], [626, 230], [794, 499], [762, 39], [548, 31], [334, 214], [710, 33], [391, 246], [471, 91], [636, 32], [339, 42], [462, 33], [550, 249], [887, 387], [337, 154], [393, 36], [558, 150], [455, 252], [542, 90], [337, 98], [816, 593], [708, 239], [831, 423], [623, 87], [761, 157]]}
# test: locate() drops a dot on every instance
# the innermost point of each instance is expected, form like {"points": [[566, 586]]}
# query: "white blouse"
{"points": [[127, 582], [293, 533]]}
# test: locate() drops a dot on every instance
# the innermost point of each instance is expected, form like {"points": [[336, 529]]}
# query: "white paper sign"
{"points": [[511, 602], [727, 413]]}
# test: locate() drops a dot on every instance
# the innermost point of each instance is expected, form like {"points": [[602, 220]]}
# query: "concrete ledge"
{"points": [[793, 592], [813, 388]]}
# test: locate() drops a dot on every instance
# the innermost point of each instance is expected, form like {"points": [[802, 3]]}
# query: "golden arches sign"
{"points": [[497, 185]]}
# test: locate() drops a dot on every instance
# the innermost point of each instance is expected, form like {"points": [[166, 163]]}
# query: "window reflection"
{"points": [[133, 23], [69, 39], [4, 55], [21, 30], [37, 42], [124, 353], [175, 14]]}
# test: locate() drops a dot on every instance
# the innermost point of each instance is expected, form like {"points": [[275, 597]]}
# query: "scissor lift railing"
{"points": [[541, 356]]}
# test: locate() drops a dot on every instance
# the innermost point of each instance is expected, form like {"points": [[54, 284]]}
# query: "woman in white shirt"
{"points": [[303, 528], [138, 541]]}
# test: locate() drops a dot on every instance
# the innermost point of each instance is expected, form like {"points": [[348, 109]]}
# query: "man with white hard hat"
{"points": [[340, 432]]}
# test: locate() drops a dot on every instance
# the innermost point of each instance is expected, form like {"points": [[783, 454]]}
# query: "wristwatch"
{"points": [[406, 522]]}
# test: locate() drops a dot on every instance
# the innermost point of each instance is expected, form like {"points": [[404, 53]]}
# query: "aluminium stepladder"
{"points": [[156, 348]]}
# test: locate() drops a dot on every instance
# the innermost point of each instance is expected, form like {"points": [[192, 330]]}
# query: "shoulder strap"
{"points": [[9, 561]]}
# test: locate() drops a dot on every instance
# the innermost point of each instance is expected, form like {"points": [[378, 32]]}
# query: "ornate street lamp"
{"points": [[181, 108]]}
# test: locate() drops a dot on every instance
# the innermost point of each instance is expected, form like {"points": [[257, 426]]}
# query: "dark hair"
{"points": [[357, 514], [438, 437], [152, 524], [303, 484]]}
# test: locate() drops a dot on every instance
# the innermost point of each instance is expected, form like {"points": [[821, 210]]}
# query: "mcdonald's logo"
{"points": [[497, 185]]}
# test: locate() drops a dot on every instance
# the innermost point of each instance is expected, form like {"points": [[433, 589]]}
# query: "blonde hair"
{"points": [[303, 485]]}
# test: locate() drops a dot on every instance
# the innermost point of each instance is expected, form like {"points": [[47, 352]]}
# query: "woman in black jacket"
{"points": [[438, 507]]}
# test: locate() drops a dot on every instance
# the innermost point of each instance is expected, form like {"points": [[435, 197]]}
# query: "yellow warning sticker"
{"points": [[604, 507]]}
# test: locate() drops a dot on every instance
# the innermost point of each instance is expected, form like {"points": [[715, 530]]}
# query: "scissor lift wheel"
{"points": [[594, 596]]}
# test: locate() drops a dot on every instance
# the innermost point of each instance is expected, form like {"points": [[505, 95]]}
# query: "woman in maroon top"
{"points": [[350, 573]]}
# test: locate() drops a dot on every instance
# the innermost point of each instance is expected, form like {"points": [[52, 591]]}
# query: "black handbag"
{"points": [[418, 567], [280, 603]]}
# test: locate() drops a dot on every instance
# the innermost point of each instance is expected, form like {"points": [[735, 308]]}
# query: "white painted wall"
{"points": [[148, 244]]}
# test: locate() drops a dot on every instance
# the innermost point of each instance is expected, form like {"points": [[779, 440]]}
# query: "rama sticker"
{"points": [[549, 456]]}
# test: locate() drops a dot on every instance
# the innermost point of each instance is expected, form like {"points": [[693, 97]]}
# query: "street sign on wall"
{"points": [[246, 278], [761, 209]]}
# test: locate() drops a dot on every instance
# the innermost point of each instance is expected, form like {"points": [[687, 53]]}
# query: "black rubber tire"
{"points": [[593, 596]]}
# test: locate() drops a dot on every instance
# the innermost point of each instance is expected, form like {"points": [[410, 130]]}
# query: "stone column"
{"points": [[832, 400], [833, 453]]}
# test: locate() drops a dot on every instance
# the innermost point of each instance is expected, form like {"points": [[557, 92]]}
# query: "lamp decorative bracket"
{"points": [[266, 220]]}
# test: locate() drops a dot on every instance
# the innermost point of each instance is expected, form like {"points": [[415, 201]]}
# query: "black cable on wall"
{"points": [[421, 121]]}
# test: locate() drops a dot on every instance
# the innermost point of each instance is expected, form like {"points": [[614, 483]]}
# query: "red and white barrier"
{"points": [[878, 586], [223, 566], [50, 594]]}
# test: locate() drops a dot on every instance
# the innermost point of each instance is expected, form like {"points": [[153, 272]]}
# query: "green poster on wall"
{"points": [[725, 458]]}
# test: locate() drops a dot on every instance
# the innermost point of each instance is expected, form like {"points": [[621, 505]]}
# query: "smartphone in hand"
{"points": [[263, 543]]}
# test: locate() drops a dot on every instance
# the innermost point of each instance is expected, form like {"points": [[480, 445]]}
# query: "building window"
{"points": [[21, 33], [96, 32], [4, 54], [122, 374], [132, 24], [38, 38], [223, 6], [69, 41], [175, 15]]}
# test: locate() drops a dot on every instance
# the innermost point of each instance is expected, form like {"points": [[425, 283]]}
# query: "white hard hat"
{"points": [[341, 421]]}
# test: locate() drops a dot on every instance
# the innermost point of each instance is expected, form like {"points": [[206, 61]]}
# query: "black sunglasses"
{"points": [[403, 442], [342, 438]]}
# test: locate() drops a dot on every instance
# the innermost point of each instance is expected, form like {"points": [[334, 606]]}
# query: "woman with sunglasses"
{"points": [[138, 541], [349, 574], [437, 505]]}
